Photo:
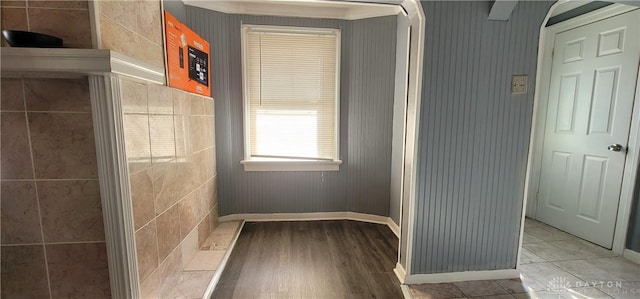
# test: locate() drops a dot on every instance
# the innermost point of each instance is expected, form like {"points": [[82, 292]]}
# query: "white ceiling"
{"points": [[348, 10]]}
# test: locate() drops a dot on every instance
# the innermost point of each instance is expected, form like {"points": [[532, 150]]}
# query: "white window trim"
{"points": [[280, 164]]}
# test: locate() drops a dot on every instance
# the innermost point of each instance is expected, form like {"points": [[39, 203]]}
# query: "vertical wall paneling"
{"points": [[366, 95], [474, 136], [176, 8]]}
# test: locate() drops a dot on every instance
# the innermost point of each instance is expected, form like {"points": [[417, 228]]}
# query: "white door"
{"points": [[591, 94]]}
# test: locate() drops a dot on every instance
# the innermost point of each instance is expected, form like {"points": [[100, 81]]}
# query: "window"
{"points": [[291, 104]]}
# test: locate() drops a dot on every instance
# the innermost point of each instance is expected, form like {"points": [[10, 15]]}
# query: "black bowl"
{"points": [[17, 38]]}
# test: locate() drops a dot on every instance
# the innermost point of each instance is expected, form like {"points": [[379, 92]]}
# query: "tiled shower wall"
{"points": [[68, 20], [170, 147], [133, 28], [52, 232]]}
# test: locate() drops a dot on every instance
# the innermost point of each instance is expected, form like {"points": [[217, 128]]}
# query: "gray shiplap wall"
{"points": [[176, 8], [367, 83], [474, 135]]}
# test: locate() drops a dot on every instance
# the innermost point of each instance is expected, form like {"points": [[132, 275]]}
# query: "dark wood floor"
{"points": [[316, 259]]}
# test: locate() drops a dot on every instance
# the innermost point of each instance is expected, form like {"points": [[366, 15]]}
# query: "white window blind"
{"points": [[291, 92]]}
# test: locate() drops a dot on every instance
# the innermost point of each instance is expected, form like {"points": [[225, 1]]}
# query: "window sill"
{"points": [[291, 165]]}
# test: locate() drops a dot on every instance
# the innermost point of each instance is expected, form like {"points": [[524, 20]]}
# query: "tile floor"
{"points": [[554, 264]]}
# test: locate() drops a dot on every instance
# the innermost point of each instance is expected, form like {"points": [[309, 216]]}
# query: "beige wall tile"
{"points": [[197, 105], [79, 270], [183, 187], [68, 4], [150, 288], [169, 272], [208, 164], [121, 12], [72, 26], [116, 37], [209, 107], [12, 3], [160, 99], [168, 232], [57, 95], [188, 213], [23, 272], [204, 201], [183, 141], [189, 247], [63, 145], [12, 96], [134, 97], [20, 217], [166, 186], [15, 155], [211, 163], [163, 145], [211, 132], [150, 53], [149, 20], [214, 217], [137, 141], [211, 192], [14, 18], [198, 132], [204, 229], [181, 102], [71, 211], [187, 173], [147, 250], [142, 197], [198, 160]]}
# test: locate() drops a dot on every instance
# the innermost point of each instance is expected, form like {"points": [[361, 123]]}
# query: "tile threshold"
{"points": [[217, 269]]}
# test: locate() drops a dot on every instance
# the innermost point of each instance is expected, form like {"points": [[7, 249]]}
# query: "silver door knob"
{"points": [[615, 147]]}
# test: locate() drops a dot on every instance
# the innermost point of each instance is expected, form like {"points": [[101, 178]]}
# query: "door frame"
{"points": [[540, 101]]}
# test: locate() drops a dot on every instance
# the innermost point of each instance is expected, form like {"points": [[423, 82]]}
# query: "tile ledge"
{"points": [[177, 290], [43, 62]]}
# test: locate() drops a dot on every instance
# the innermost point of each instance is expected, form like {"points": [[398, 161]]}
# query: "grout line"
{"points": [[35, 184], [53, 243], [26, 11], [58, 112], [184, 197], [60, 8], [45, 180]]}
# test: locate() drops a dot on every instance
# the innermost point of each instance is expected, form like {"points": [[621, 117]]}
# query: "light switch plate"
{"points": [[519, 84]]}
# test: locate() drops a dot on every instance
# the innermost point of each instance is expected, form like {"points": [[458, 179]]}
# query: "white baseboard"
{"points": [[461, 276], [393, 226], [316, 216], [631, 255], [400, 273]]}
